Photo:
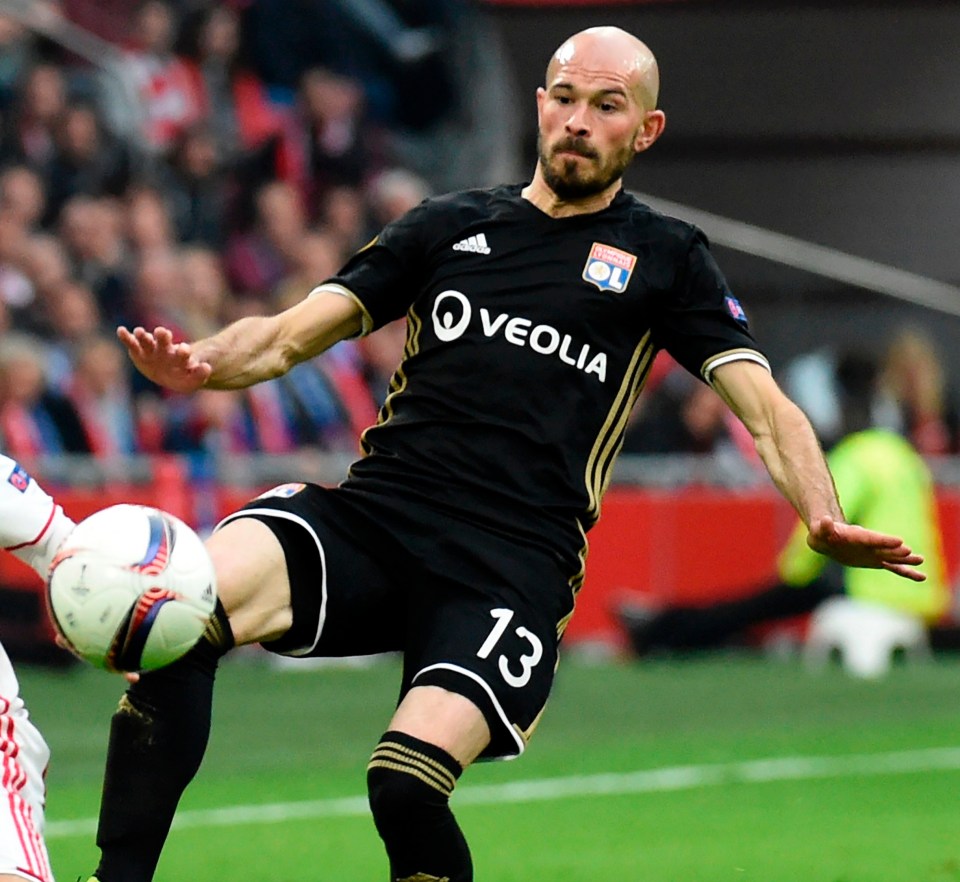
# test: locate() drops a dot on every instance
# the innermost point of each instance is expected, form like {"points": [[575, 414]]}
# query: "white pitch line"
{"points": [[794, 768]]}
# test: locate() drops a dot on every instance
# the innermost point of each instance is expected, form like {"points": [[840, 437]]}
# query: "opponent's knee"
{"points": [[407, 780]]}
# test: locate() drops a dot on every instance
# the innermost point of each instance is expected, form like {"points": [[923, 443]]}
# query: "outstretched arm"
{"points": [[791, 453], [248, 351]]}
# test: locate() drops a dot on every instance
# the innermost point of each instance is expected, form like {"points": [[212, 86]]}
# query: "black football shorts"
{"points": [[472, 610]]}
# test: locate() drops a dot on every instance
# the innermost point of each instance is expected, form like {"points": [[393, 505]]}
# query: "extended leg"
{"points": [[157, 739], [693, 628], [159, 732]]}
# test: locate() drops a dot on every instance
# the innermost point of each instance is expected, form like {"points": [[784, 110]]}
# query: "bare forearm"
{"points": [[793, 457], [244, 353]]}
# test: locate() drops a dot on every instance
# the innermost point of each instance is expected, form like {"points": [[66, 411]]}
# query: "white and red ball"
{"points": [[132, 588]]}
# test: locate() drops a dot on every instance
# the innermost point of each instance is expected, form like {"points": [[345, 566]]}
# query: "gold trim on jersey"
{"points": [[575, 582], [369, 244], [398, 382], [527, 734], [366, 320], [742, 353], [610, 438]]}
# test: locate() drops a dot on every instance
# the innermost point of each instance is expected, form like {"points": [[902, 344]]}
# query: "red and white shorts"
{"points": [[24, 756]]}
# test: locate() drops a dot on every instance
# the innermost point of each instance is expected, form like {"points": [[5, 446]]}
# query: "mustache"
{"points": [[575, 145]]}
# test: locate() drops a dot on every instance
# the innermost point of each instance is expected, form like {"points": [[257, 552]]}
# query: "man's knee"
{"points": [[408, 779]]}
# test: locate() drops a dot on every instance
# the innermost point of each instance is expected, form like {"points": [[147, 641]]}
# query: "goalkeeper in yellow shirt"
{"points": [[883, 484]]}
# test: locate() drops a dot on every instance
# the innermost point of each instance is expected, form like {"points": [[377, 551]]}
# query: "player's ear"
{"points": [[652, 128], [541, 95]]}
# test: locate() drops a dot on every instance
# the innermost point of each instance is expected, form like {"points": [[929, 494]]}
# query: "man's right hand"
{"points": [[168, 364]]}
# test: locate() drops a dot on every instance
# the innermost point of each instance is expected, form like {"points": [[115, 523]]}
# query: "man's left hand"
{"points": [[855, 546]]}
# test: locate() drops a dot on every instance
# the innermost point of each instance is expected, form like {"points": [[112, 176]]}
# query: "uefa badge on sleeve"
{"points": [[734, 308], [609, 268]]}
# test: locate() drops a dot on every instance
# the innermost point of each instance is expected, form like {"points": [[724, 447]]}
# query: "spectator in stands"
{"points": [[390, 194], [205, 292], [318, 256], [100, 393], [915, 378], [70, 316], [87, 160], [16, 55], [30, 135], [305, 408], [92, 231], [209, 423], [882, 482], [148, 222], [343, 215], [16, 289], [157, 295], [197, 188], [230, 96], [23, 195], [46, 264], [258, 259], [338, 147], [33, 419], [167, 101]]}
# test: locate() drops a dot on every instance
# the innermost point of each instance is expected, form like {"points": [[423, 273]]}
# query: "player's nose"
{"points": [[576, 123]]}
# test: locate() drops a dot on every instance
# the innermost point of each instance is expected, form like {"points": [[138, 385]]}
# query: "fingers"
{"points": [[908, 572], [163, 336]]}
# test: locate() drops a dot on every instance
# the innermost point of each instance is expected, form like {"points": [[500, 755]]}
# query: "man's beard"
{"points": [[570, 183]]}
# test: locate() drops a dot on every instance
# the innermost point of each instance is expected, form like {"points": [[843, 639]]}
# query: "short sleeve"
{"points": [[385, 276], [700, 323]]}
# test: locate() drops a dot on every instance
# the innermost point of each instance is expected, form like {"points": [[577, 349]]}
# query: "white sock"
{"points": [[32, 525]]}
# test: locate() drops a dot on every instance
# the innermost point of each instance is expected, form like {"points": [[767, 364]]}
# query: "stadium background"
{"points": [[828, 123]]}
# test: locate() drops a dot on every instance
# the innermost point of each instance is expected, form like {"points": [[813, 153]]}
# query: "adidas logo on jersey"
{"points": [[477, 244]]}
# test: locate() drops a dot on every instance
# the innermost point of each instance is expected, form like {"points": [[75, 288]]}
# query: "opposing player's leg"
{"points": [[32, 524], [160, 731], [433, 736], [24, 756]]}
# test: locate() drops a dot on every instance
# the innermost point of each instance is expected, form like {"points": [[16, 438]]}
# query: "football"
{"points": [[132, 588]]}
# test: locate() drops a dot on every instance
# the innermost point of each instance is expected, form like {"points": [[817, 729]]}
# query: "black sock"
{"points": [[410, 782], [157, 739]]}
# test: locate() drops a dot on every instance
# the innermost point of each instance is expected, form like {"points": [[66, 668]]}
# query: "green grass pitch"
{"points": [[645, 772]]}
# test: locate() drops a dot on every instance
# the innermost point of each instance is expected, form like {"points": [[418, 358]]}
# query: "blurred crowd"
{"points": [[915, 398], [186, 163]]}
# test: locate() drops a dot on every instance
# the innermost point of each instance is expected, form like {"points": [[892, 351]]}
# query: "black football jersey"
{"points": [[529, 339]]}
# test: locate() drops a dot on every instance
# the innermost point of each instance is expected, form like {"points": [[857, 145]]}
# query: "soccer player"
{"points": [[534, 313], [32, 527]]}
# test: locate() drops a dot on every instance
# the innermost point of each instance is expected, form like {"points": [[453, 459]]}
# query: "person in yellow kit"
{"points": [[882, 483]]}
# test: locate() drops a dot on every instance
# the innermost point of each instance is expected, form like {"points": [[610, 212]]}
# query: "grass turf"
{"points": [[283, 737]]}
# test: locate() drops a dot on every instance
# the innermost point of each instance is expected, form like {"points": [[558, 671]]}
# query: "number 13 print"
{"points": [[527, 662]]}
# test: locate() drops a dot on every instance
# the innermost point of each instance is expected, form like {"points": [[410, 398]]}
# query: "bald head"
{"points": [[612, 53]]}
